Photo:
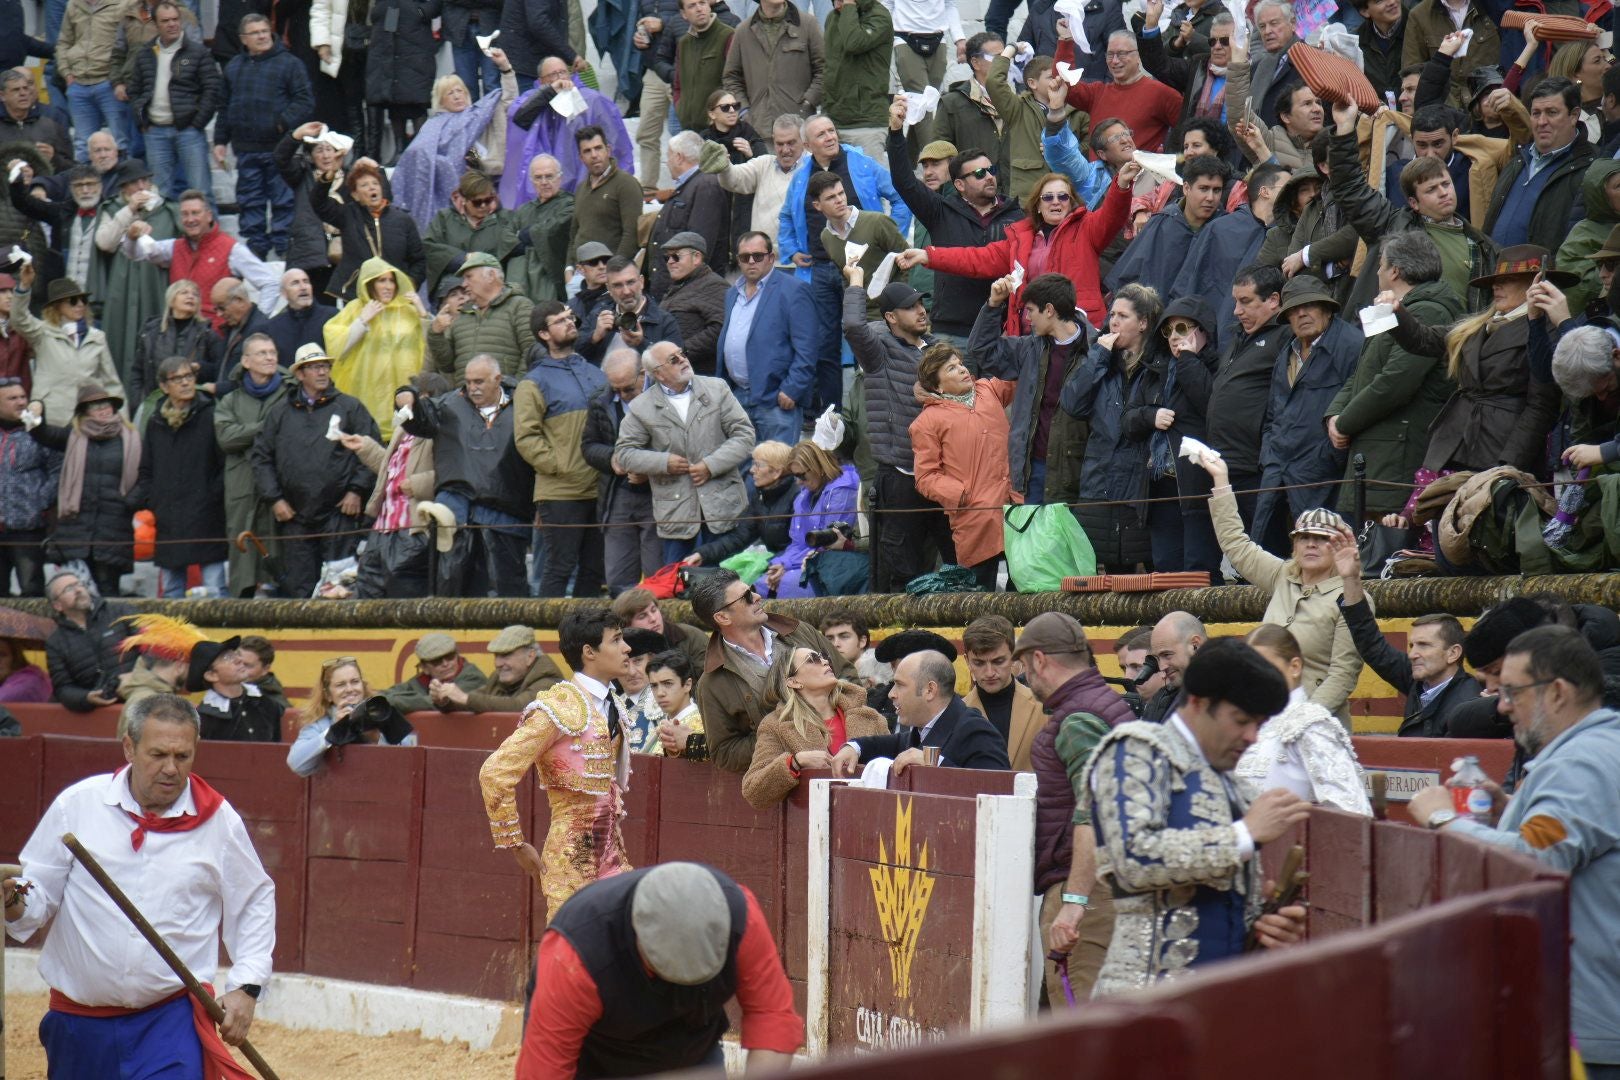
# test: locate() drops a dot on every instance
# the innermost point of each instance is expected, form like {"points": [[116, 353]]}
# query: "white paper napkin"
{"points": [[1197, 452], [876, 773], [402, 414], [1017, 275], [1075, 12], [1161, 165], [485, 42], [334, 429], [881, 276], [919, 105], [1378, 319], [570, 103], [1069, 74], [854, 252], [1468, 39]]}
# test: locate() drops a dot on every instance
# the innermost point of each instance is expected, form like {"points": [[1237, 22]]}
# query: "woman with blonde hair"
{"points": [[829, 494], [69, 350], [814, 714], [1303, 749], [177, 332], [344, 711], [458, 127], [378, 340], [960, 444], [770, 508]]}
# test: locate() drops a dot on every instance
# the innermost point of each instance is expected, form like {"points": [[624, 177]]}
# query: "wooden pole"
{"points": [[155, 939], [8, 871]]}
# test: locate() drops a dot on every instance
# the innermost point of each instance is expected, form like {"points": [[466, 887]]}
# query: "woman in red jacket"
{"points": [[1057, 236], [960, 444]]}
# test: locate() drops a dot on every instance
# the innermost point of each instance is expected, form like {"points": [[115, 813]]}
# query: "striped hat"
{"points": [[1318, 522]]}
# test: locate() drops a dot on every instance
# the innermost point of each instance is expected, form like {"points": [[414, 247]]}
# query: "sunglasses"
{"points": [[751, 596], [487, 200], [337, 662], [1057, 197], [674, 256], [728, 106], [753, 256], [9, 381], [603, 261], [1222, 40], [810, 658], [1179, 328], [980, 174]]}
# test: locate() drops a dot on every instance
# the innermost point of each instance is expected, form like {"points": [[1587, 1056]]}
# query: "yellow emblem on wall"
{"points": [[902, 892]]}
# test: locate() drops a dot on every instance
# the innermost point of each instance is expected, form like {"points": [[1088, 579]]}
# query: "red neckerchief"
{"points": [[203, 797]]}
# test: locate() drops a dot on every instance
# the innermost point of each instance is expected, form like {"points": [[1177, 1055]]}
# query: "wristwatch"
{"points": [[1441, 818], [252, 990]]}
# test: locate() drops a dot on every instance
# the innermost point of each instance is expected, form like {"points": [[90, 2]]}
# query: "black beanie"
{"points": [[1488, 641]]}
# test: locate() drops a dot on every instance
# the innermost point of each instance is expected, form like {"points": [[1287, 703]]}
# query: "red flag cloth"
{"points": [[218, 1064], [203, 797]]}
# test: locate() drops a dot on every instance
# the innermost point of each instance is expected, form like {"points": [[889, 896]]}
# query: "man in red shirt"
{"points": [[634, 973], [1148, 107]]}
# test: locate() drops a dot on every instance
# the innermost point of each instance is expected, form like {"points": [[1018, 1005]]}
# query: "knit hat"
{"points": [[682, 922], [1488, 641], [511, 640], [896, 647]]}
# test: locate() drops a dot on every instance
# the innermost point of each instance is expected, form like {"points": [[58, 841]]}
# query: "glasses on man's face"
{"points": [[596, 262], [1055, 197], [1222, 40], [728, 106], [751, 596], [752, 256], [188, 377], [980, 174], [1120, 55], [676, 357], [1178, 328], [809, 658], [1508, 693]]}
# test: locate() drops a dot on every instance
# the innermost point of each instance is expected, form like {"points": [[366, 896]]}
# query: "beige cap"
{"points": [[511, 639], [938, 150], [435, 646], [1052, 632]]}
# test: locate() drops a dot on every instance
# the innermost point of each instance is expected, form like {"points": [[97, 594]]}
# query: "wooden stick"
{"points": [[154, 939]]}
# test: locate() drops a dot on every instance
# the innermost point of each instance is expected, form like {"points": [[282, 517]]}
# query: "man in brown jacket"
{"points": [[775, 65], [521, 672], [746, 641]]}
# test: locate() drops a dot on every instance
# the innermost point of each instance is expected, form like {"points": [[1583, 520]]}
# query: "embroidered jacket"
{"points": [[1305, 749], [1185, 889]]}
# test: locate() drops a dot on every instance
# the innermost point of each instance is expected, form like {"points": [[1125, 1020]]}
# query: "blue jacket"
{"points": [[781, 341], [1295, 447], [1158, 253], [1091, 178], [873, 188], [1222, 248], [262, 98]]}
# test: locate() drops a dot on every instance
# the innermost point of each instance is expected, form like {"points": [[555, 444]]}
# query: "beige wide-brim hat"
{"points": [[429, 512]]}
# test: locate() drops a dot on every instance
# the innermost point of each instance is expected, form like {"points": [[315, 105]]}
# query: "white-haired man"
{"points": [[699, 205]]}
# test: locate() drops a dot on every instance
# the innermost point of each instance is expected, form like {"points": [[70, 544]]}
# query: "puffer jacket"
{"points": [[193, 85], [81, 659], [597, 442], [29, 472], [1588, 235], [716, 432], [769, 511], [87, 46], [890, 367], [182, 481], [261, 99], [400, 62], [193, 339], [501, 330], [549, 425], [61, 364], [293, 459], [698, 304], [474, 457], [139, 31], [1056, 809], [101, 531]]}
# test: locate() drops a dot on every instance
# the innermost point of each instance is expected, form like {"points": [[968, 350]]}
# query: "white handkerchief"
{"points": [[18, 255], [1197, 452], [1069, 74], [16, 171], [1605, 40], [485, 42], [1075, 12], [853, 253], [402, 414], [1240, 34], [31, 419], [570, 103], [1017, 275], [881, 276], [1389, 99], [1377, 319], [876, 773], [334, 429], [1468, 38], [1131, 9], [919, 105], [1161, 165]]}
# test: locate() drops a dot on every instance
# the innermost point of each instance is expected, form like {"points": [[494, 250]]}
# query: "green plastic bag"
{"points": [[748, 564], [1044, 545]]}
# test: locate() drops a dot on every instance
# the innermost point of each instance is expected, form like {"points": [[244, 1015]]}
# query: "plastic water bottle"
{"points": [[1468, 794]]}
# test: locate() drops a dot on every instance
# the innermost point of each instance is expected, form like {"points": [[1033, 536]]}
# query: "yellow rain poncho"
{"points": [[372, 360]]}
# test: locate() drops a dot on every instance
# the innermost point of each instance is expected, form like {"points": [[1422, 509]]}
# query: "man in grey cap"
{"points": [[631, 996], [696, 296], [592, 258], [1076, 917], [437, 663], [483, 315], [521, 672], [698, 205]]}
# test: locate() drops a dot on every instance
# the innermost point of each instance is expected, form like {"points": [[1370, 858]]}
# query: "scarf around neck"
{"points": [[259, 393], [70, 489]]}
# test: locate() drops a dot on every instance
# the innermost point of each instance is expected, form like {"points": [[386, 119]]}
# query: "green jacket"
{"points": [[502, 331], [496, 696], [1389, 403], [1589, 234], [538, 272], [1023, 126], [880, 235], [238, 417], [699, 59], [860, 43], [451, 238], [139, 286], [412, 694]]}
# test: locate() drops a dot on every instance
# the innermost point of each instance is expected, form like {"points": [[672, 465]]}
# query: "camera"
{"points": [[837, 533], [628, 322]]}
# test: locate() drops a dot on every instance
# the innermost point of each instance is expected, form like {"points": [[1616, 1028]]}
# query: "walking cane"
{"points": [[154, 939], [7, 871]]}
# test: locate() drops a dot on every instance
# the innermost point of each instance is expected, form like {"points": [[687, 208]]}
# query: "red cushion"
{"points": [[1554, 29], [1334, 79]]}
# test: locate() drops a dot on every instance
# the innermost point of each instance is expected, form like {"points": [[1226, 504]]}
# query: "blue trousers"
{"points": [[158, 1044], [471, 64], [827, 296], [94, 107], [259, 184], [179, 160], [782, 425], [676, 550]]}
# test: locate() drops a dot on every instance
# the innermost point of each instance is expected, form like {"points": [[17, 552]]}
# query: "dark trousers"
{"points": [[909, 530], [258, 184], [301, 559], [1243, 487], [1181, 540], [570, 547], [827, 299], [27, 558]]}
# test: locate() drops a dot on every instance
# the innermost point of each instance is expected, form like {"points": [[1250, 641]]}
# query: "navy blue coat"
{"points": [[966, 740], [781, 341], [1158, 253], [1295, 447], [1115, 466], [1222, 248]]}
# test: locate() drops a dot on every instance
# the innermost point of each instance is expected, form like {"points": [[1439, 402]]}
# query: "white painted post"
{"points": [[819, 909], [1003, 918]]}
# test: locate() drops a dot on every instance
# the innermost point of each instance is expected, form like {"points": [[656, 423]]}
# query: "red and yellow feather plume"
{"points": [[162, 636]]}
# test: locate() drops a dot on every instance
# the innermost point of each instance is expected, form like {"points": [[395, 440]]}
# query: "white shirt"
{"points": [[928, 17], [1244, 840], [241, 262], [189, 885], [595, 690]]}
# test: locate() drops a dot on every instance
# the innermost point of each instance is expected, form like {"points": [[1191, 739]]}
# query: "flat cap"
{"points": [[1052, 632], [479, 258], [592, 250], [938, 150], [687, 239], [682, 922], [435, 646], [511, 639]]}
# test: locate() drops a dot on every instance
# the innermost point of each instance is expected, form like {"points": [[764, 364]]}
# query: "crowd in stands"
{"points": [[470, 335]]}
